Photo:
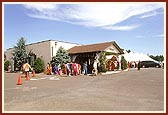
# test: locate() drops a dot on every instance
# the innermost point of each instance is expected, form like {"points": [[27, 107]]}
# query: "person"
{"points": [[95, 68], [74, 66], [71, 69], [128, 65], [65, 68], [55, 69], [139, 65], [49, 69], [85, 68], [26, 68], [68, 69], [9, 68], [59, 70], [112, 66], [79, 69]]}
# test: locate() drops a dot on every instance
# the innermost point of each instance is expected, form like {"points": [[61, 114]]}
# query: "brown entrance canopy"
{"points": [[94, 48]]}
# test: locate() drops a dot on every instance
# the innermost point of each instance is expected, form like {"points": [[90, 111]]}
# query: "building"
{"points": [[88, 53], [44, 49], [79, 53]]}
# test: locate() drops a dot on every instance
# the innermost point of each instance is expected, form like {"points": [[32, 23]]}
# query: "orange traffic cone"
{"points": [[33, 73], [27, 77], [19, 80]]}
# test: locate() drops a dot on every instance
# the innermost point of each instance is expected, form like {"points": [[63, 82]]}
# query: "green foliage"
{"points": [[110, 53], [128, 51], [39, 65], [103, 62], [6, 64], [157, 58], [61, 57], [19, 53], [124, 64]]}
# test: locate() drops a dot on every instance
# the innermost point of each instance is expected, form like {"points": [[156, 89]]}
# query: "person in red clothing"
{"points": [[74, 66], [112, 66], [128, 65]]}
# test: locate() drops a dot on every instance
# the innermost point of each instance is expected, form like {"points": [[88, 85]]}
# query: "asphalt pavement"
{"points": [[120, 91]]}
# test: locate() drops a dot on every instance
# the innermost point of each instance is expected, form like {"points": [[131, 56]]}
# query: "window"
{"points": [[52, 51], [55, 44]]}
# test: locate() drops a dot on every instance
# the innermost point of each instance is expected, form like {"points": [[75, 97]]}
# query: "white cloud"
{"points": [[122, 28], [153, 36], [150, 14], [160, 35], [40, 6], [92, 15]]}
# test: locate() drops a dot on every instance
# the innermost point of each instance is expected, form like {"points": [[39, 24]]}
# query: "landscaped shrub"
{"points": [[6, 65], [123, 63], [39, 65]]}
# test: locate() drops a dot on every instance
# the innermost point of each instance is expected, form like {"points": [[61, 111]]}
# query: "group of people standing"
{"points": [[134, 65], [70, 69]]}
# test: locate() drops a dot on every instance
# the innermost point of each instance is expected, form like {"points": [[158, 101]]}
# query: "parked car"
{"points": [[145, 64]]}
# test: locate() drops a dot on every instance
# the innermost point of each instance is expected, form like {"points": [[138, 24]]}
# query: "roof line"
{"points": [[52, 40], [96, 43], [45, 41]]}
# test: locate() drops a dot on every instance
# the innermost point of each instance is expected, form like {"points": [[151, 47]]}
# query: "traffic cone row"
{"points": [[27, 77]]}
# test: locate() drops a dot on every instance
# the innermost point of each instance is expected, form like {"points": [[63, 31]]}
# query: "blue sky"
{"points": [[138, 27]]}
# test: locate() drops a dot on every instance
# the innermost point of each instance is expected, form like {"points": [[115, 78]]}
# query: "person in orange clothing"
{"points": [[65, 69], [79, 69], [26, 68], [49, 69]]}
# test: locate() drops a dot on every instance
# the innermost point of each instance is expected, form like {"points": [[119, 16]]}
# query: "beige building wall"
{"points": [[41, 49], [9, 55]]}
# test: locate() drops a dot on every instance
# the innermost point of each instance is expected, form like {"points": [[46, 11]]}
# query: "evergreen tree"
{"points": [[157, 58], [19, 53], [123, 63], [128, 51], [102, 62], [61, 57]]}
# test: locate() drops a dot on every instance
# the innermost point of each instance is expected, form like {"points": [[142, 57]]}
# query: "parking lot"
{"points": [[123, 91]]}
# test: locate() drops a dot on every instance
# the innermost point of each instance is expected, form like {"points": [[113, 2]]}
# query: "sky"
{"points": [[138, 27]]}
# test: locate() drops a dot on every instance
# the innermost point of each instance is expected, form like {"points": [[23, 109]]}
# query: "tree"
{"points": [[19, 53], [123, 63], [157, 58], [103, 62], [128, 51], [39, 65], [61, 57]]}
